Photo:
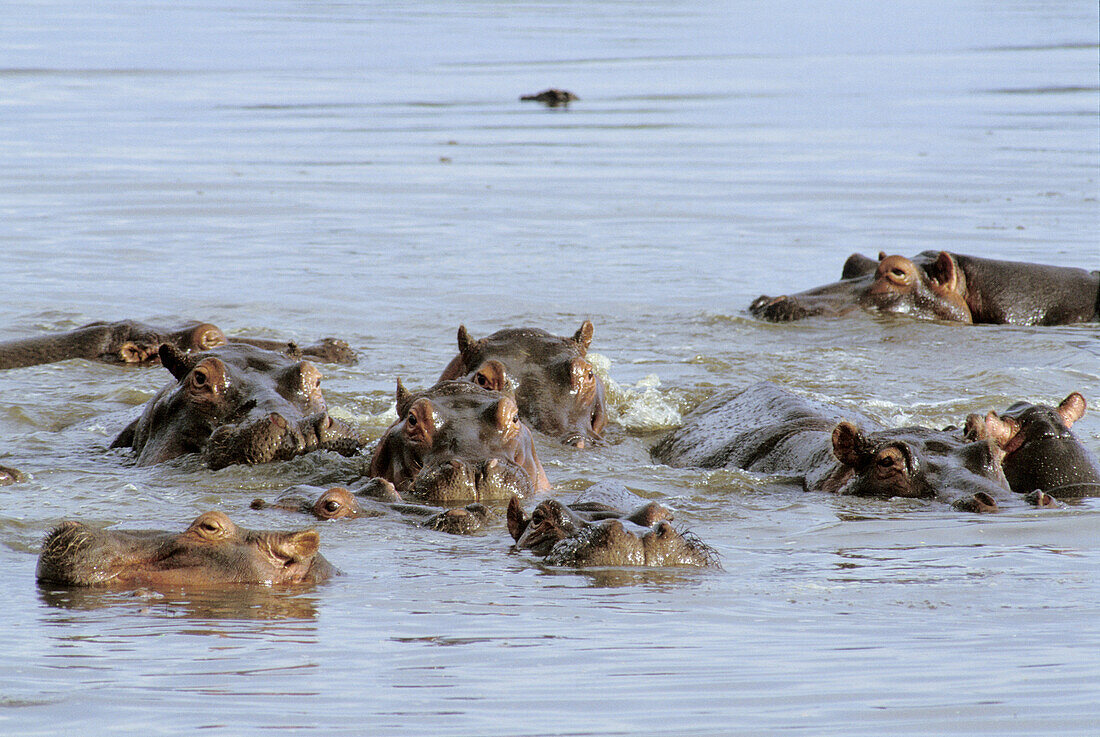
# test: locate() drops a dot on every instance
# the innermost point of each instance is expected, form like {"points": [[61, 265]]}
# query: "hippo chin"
{"points": [[948, 286], [592, 533], [549, 377], [1042, 455], [212, 551], [768, 430], [236, 404], [458, 441], [378, 498]]}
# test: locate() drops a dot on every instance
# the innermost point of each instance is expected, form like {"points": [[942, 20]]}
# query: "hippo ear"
{"points": [[1072, 409], [1001, 432], [491, 375], [131, 352], [517, 520], [881, 255], [381, 462], [945, 272], [402, 395], [298, 545], [975, 428], [583, 336], [174, 360], [849, 444], [465, 342]]}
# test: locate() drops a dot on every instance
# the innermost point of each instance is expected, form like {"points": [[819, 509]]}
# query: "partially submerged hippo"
{"points": [[458, 441], [948, 286], [10, 475], [211, 551], [236, 404], [136, 343], [550, 378], [768, 430], [1041, 452], [590, 533], [377, 498]]}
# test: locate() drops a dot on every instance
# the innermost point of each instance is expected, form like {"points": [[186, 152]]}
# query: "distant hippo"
{"points": [[10, 475], [550, 378], [948, 286], [590, 532], [768, 430], [210, 552], [552, 97], [458, 441], [1041, 452], [136, 343], [236, 404], [377, 498]]}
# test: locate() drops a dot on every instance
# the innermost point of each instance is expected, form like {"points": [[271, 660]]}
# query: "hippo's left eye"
{"points": [[332, 506]]}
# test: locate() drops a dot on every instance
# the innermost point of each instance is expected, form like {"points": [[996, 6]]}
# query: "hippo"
{"points": [[1042, 454], [136, 343], [948, 286], [549, 377], [766, 429], [552, 97], [235, 404], [458, 441], [590, 532], [9, 475], [377, 498], [210, 552]]}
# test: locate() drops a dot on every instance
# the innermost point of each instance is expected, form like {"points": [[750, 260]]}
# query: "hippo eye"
{"points": [[332, 506], [898, 273], [411, 421], [515, 418], [483, 381], [200, 377], [885, 461]]}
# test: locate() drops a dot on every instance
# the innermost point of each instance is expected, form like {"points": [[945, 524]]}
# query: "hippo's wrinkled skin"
{"points": [[552, 97], [377, 498], [458, 441], [948, 286], [211, 551], [590, 532], [236, 404], [136, 343], [768, 430], [1041, 452], [552, 382]]}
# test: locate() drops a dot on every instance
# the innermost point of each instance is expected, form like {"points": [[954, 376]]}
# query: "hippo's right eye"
{"points": [[200, 377], [411, 421], [332, 506], [482, 380], [898, 273]]}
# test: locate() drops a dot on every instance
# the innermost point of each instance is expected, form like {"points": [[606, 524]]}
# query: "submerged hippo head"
{"points": [[236, 404], [549, 377], [567, 537], [211, 551], [458, 441], [903, 287], [131, 342], [916, 462], [1041, 451]]}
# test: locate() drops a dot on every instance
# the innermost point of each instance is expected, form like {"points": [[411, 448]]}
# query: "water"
{"points": [[302, 170]]}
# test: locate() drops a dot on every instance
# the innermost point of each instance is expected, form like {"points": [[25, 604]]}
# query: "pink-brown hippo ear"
{"points": [[583, 336], [174, 360], [999, 430], [944, 273], [295, 546], [1072, 409], [381, 462], [491, 375], [465, 342], [975, 428], [517, 520], [881, 255], [849, 444], [402, 396], [131, 352]]}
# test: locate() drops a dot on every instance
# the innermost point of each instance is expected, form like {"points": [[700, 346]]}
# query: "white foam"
{"points": [[642, 407]]}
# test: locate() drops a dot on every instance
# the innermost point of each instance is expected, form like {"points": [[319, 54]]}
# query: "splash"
{"points": [[642, 407]]}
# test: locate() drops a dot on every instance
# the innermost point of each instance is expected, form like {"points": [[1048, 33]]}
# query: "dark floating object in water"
{"points": [[552, 97]]}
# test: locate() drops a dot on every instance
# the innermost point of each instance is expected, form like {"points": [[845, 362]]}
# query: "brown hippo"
{"points": [[768, 430], [593, 532], [210, 552], [555, 386], [458, 441], [1041, 452], [948, 286], [377, 498], [136, 343], [552, 97], [10, 475], [236, 404]]}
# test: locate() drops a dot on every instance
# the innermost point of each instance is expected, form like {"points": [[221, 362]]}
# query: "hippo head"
{"points": [[131, 342], [915, 462], [549, 377], [211, 551], [458, 441], [236, 404], [1041, 451], [934, 292]]}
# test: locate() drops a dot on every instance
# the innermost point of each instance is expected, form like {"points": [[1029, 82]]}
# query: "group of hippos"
{"points": [[469, 438]]}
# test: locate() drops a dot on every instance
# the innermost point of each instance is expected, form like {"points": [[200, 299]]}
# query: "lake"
{"points": [[367, 171]]}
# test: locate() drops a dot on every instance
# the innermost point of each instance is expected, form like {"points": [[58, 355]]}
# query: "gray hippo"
{"points": [[458, 441], [766, 429], [212, 551], [948, 286], [236, 404], [548, 376]]}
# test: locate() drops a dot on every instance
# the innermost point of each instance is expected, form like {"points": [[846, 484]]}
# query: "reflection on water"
{"points": [[230, 602]]}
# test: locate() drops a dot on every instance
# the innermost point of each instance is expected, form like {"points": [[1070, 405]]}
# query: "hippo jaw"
{"points": [[455, 480], [611, 543]]}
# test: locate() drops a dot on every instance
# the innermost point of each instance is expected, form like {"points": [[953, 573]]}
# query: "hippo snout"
{"points": [[457, 479]]}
